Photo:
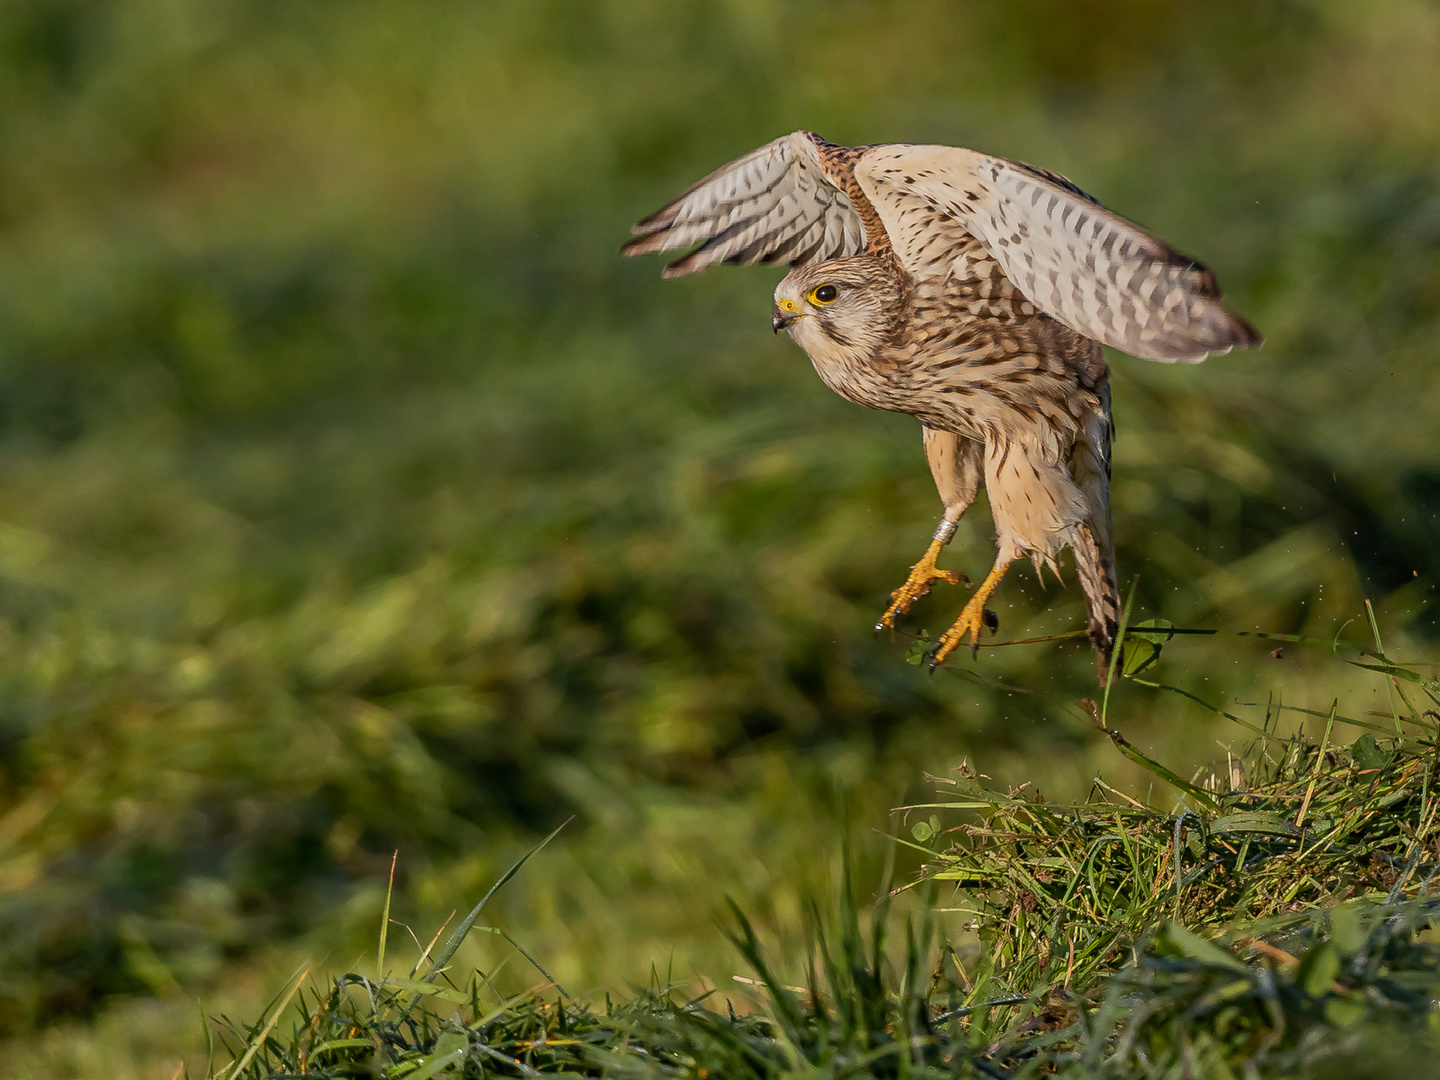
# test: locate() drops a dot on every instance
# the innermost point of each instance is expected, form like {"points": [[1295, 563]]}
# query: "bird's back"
{"points": [[985, 362]]}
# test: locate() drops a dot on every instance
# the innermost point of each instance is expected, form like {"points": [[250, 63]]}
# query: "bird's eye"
{"points": [[823, 294]]}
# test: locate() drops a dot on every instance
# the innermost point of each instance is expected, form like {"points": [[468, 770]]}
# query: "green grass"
{"points": [[1276, 920], [1356, 1001], [1288, 825]]}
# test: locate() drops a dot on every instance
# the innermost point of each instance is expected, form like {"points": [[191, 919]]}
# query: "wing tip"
{"points": [[728, 228], [689, 264], [659, 221], [653, 242], [1247, 337], [1237, 332], [643, 245], [1221, 332]]}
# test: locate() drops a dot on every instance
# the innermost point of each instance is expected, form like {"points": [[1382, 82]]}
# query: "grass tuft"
{"points": [[1104, 939], [1061, 892], [1278, 920], [1357, 989]]}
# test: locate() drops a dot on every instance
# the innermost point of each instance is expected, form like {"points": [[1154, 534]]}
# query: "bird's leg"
{"points": [[922, 575], [972, 619]]}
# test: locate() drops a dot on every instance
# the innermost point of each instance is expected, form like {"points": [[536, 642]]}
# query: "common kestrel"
{"points": [[973, 293]]}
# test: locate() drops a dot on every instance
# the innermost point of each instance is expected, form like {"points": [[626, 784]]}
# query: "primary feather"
{"points": [[775, 204]]}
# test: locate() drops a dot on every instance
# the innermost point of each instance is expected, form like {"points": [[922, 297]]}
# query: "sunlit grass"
{"points": [[1276, 917]]}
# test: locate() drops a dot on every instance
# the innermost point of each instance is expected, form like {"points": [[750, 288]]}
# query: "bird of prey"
{"points": [[974, 293]]}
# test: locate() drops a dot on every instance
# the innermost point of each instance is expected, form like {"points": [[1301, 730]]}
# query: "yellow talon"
{"points": [[971, 621], [922, 575]]}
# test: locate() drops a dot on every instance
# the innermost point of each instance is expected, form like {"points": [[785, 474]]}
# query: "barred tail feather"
{"points": [[1095, 552], [1096, 571]]}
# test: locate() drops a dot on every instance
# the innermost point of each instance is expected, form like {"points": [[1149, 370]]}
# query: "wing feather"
{"points": [[1099, 274], [774, 204]]}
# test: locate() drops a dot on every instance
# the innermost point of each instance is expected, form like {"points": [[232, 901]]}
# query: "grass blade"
{"points": [[459, 934]]}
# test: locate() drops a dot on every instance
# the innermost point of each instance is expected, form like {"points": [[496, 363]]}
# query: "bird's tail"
{"points": [[1095, 567], [1095, 551]]}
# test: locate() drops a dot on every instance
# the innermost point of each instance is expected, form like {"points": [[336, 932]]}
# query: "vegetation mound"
{"points": [[1278, 921]]}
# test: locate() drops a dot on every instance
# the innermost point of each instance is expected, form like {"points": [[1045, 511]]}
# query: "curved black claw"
{"points": [[992, 623], [934, 661]]}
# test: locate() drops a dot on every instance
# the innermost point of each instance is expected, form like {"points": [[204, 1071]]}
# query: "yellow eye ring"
{"points": [[823, 294]]}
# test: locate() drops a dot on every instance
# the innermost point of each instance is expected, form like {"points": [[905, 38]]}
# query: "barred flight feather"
{"points": [[1099, 274]]}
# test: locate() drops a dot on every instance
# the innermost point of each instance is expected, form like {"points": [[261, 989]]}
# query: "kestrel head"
{"points": [[842, 306]]}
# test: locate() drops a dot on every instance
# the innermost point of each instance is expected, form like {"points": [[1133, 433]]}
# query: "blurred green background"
{"points": [[356, 498]]}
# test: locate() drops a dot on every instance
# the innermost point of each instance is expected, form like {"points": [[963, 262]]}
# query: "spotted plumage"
{"points": [[973, 293]]}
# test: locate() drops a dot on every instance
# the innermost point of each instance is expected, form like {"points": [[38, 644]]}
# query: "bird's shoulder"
{"points": [[963, 286]]}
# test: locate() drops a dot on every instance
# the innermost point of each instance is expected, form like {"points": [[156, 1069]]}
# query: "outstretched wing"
{"points": [[775, 204], [1097, 273]]}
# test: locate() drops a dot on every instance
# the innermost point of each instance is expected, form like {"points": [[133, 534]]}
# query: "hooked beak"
{"points": [[785, 314]]}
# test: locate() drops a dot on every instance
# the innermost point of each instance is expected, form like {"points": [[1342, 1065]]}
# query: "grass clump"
{"points": [[851, 1018], [1064, 890], [1354, 999], [1278, 921], [1359, 993]]}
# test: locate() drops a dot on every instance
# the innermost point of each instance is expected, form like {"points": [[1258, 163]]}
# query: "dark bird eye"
{"points": [[826, 294]]}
